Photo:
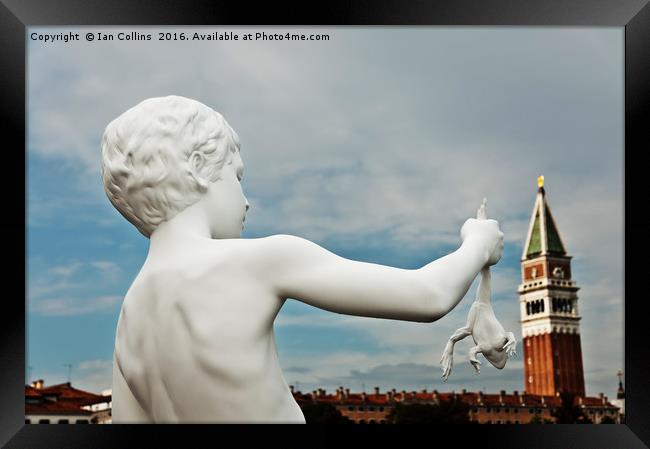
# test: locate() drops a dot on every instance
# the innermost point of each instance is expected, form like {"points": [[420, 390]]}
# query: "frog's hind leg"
{"points": [[447, 359], [473, 360]]}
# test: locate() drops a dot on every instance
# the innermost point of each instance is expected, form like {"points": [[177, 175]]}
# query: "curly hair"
{"points": [[145, 157]]}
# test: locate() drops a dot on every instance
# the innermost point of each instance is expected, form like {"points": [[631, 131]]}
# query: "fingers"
{"points": [[481, 214]]}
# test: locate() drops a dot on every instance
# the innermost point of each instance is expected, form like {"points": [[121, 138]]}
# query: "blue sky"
{"points": [[377, 144]]}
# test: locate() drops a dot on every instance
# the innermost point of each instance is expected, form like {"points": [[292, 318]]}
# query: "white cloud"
{"points": [[75, 306]]}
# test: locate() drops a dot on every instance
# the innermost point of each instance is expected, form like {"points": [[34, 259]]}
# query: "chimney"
{"points": [[580, 400], [403, 395], [38, 384], [543, 400], [389, 396], [339, 393], [377, 391], [291, 388], [480, 397], [363, 396], [463, 391], [435, 396], [347, 393], [314, 394], [502, 393]]}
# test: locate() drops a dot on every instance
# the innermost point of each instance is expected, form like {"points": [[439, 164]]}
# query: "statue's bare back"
{"points": [[183, 322]]}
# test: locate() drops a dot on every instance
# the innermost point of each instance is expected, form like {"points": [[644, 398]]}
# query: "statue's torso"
{"points": [[195, 343]]}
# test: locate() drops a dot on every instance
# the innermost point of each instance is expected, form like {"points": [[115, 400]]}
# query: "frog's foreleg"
{"points": [[510, 345], [473, 360]]}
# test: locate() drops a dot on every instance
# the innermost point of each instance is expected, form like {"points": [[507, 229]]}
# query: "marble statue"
{"points": [[194, 340]]}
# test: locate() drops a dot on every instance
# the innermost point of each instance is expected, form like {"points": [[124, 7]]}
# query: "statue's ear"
{"points": [[197, 169]]}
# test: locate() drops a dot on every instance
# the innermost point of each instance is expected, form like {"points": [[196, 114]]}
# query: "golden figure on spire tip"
{"points": [[540, 181]]}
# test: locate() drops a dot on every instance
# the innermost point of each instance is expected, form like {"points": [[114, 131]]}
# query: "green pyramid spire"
{"points": [[543, 234]]}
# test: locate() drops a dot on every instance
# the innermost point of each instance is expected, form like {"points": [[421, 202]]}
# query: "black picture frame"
{"points": [[16, 15]]}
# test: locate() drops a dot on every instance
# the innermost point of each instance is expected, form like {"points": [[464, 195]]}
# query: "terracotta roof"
{"points": [[469, 398], [66, 392], [596, 402], [31, 392], [60, 399], [55, 408]]}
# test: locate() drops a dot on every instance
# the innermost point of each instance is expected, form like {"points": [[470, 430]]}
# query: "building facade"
{"points": [[549, 309]]}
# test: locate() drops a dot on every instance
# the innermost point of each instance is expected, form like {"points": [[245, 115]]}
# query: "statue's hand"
{"points": [[487, 234]]}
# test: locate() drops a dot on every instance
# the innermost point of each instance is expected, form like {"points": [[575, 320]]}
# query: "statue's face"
{"points": [[226, 203]]}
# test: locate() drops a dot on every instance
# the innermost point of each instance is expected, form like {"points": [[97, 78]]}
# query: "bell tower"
{"points": [[549, 308]]}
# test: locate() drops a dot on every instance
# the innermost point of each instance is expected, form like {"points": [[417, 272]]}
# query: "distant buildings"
{"points": [[620, 396], [63, 404], [501, 408]]}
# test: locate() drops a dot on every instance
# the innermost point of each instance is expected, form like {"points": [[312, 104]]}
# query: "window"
{"points": [[488, 410], [516, 410], [507, 410], [81, 421], [350, 408], [43, 421], [361, 409], [64, 421], [531, 411], [372, 409], [381, 409], [28, 421]]}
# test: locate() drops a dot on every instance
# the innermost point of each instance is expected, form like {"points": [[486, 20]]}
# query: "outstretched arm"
{"points": [[300, 269]]}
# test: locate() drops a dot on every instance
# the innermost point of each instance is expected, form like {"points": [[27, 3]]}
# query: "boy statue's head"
{"points": [[166, 154]]}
